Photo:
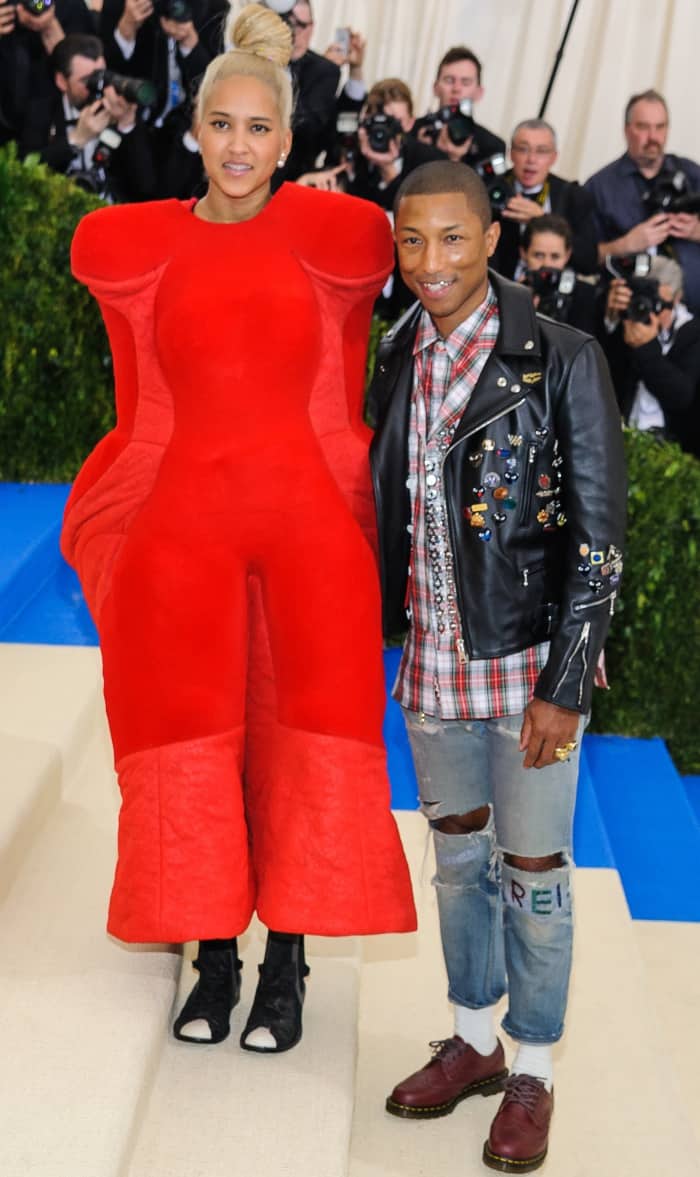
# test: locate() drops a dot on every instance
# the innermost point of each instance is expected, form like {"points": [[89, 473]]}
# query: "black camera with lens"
{"points": [[381, 130], [492, 172], [177, 10], [645, 301], [457, 119], [633, 269], [670, 194], [554, 289], [137, 90]]}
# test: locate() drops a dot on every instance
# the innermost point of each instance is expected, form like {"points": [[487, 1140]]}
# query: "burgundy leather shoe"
{"points": [[454, 1072], [517, 1141]]}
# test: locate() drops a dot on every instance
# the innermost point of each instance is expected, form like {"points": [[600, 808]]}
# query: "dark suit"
{"points": [[150, 56], [674, 379], [315, 82], [569, 200], [484, 143], [131, 173], [25, 73]]}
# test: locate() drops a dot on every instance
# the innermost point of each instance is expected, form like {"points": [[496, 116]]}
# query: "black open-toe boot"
{"points": [[279, 996], [216, 993]]}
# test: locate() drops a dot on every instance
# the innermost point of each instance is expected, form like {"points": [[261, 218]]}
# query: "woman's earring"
{"points": [[281, 161]]}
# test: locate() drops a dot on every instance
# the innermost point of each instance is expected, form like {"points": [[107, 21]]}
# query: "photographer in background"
{"points": [[548, 269], [169, 41], [315, 80], [451, 128], [29, 31], [90, 132], [653, 348], [537, 192], [640, 197], [387, 151]]}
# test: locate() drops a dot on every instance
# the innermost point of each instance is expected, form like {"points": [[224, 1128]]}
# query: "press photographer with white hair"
{"points": [[655, 363]]}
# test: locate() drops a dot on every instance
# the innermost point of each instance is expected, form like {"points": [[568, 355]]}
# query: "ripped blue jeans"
{"points": [[503, 929]]}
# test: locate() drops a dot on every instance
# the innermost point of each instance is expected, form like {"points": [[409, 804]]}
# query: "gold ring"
{"points": [[562, 753]]}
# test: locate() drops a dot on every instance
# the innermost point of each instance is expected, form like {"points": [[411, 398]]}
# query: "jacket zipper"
{"points": [[528, 481], [578, 608], [581, 645], [525, 572], [460, 643]]}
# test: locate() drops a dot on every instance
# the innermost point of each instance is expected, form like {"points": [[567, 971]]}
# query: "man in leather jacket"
{"points": [[500, 490]]}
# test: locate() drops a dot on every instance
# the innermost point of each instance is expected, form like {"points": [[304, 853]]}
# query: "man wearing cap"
{"points": [[500, 490]]}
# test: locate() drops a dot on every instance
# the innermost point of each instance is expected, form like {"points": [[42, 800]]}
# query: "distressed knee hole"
{"points": [[464, 823], [536, 865]]}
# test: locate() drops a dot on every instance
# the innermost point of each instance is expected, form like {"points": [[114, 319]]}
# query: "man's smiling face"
{"points": [[444, 251]]}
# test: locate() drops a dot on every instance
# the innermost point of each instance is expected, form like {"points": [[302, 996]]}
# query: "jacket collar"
{"points": [[518, 335]]}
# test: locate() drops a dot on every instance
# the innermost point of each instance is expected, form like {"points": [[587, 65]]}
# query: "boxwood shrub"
{"points": [[55, 370]]}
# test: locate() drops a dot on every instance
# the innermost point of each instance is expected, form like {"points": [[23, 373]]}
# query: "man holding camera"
{"points": [[29, 31], [91, 132], [537, 192], [653, 347], [386, 149], [171, 42], [452, 128], [645, 199]]}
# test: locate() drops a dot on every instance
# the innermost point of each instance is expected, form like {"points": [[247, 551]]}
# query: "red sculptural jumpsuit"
{"points": [[223, 536]]}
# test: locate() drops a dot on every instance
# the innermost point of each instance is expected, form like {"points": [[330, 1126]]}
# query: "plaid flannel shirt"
{"points": [[435, 675]]}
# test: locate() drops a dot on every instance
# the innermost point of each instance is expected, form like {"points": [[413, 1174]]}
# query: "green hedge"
{"points": [[653, 653], [56, 402], [55, 370]]}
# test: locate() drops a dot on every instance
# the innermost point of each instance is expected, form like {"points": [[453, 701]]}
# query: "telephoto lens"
{"points": [[138, 90]]}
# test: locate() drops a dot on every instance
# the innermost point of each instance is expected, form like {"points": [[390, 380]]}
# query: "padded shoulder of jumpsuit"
{"points": [[338, 235], [124, 244]]}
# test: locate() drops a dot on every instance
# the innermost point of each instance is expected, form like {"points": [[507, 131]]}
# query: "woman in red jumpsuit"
{"points": [[223, 536]]}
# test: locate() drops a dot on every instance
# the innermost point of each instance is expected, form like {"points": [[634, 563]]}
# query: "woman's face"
{"points": [[241, 137]]}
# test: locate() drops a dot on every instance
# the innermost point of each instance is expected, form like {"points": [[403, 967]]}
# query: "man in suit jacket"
{"points": [[69, 131], [655, 365], [458, 78], [26, 41], [537, 191], [171, 44], [315, 81]]}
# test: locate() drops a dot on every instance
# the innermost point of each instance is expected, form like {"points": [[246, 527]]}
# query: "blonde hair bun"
{"points": [[259, 30]]}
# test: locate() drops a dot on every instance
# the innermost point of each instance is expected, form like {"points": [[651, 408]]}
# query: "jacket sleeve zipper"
{"points": [[581, 644], [581, 605]]}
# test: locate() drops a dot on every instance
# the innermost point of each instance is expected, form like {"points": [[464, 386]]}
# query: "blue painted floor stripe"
{"points": [[653, 830], [691, 784]]}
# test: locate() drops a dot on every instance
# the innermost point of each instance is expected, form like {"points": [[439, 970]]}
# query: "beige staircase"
{"points": [[93, 1085]]}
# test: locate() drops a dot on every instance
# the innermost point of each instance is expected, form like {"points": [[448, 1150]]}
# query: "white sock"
{"points": [[535, 1061], [475, 1026]]}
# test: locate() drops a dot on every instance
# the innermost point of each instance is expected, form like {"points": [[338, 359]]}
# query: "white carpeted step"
{"points": [[30, 786], [51, 695], [83, 1018], [671, 954], [48, 698], [619, 1111], [219, 1111]]}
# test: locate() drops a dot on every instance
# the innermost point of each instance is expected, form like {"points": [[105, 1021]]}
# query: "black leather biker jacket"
{"points": [[550, 566]]}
